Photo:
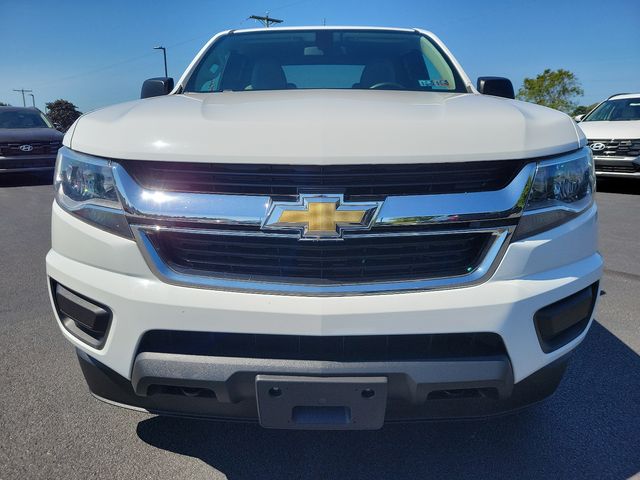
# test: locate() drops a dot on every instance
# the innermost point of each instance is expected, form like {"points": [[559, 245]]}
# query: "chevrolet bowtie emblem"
{"points": [[321, 216]]}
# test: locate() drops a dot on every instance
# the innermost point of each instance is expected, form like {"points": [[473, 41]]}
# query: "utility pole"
{"points": [[33, 99], [164, 55], [266, 20], [23, 91]]}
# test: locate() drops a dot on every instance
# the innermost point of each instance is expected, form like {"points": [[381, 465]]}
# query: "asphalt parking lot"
{"points": [[50, 427]]}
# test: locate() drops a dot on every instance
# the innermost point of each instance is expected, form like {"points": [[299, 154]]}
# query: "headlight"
{"points": [[562, 189], [84, 186]]}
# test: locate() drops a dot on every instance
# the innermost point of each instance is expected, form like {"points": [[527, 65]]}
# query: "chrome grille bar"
{"points": [[250, 210]]}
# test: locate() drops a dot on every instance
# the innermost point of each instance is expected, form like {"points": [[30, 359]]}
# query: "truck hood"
{"points": [[611, 130], [324, 127]]}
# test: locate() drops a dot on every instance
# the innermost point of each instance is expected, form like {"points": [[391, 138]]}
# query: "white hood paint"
{"points": [[325, 127], [624, 130]]}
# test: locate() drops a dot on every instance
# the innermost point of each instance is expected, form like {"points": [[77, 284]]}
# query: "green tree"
{"points": [[552, 88], [62, 113], [583, 109], [2, 104]]}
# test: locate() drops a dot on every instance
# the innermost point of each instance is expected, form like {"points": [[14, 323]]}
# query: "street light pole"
{"points": [[164, 55], [33, 99]]}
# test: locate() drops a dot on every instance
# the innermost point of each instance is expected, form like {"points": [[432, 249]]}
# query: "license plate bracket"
{"points": [[321, 403]]}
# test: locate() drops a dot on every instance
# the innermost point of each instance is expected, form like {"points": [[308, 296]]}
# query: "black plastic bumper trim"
{"points": [[563, 321], [82, 317], [108, 386], [232, 378]]}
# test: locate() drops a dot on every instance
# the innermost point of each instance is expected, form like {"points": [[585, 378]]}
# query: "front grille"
{"points": [[618, 148], [352, 260], [617, 168], [444, 236], [27, 162], [354, 181], [39, 148], [358, 348]]}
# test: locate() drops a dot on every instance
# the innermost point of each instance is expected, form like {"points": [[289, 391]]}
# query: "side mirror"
{"points": [[578, 118], [496, 86], [155, 87]]}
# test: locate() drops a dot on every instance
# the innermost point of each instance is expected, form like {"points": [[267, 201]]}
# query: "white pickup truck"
{"points": [[324, 228]]}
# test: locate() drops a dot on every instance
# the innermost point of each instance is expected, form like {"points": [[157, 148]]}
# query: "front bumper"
{"points": [[107, 385], [533, 274], [27, 163]]}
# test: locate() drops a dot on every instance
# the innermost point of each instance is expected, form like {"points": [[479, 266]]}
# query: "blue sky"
{"points": [[95, 53]]}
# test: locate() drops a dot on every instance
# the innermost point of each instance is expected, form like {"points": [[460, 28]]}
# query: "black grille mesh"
{"points": [[352, 260], [354, 181], [358, 348], [617, 168], [28, 162]]}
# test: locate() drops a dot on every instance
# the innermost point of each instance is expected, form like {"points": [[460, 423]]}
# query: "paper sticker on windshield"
{"points": [[425, 83], [441, 83]]}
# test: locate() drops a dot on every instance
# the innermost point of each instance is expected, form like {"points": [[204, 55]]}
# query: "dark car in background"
{"points": [[28, 140]]}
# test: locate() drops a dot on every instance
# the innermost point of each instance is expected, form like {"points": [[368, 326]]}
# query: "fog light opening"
{"points": [[85, 319], [565, 320]]}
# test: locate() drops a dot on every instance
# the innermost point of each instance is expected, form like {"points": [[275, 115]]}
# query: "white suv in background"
{"points": [[613, 133], [324, 228]]}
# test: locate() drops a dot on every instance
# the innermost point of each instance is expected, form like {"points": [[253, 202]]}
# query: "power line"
{"points": [[140, 57], [95, 70], [117, 64], [266, 20], [281, 7]]}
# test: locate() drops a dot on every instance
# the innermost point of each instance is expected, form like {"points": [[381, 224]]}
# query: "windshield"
{"points": [[23, 119], [313, 59], [615, 111]]}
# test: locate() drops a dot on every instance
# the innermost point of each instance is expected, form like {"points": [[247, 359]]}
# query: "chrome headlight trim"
{"points": [[84, 186]]}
